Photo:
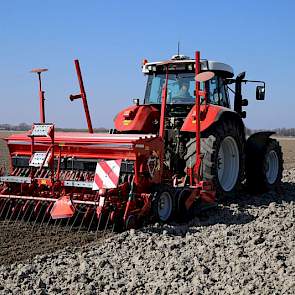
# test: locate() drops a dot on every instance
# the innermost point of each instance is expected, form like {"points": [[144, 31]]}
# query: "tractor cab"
{"points": [[181, 81], [179, 71]]}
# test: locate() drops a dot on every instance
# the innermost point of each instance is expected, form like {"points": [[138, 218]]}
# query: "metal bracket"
{"points": [[40, 158], [41, 130], [72, 183], [16, 179]]}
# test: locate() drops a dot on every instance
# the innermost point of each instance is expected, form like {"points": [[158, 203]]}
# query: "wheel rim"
{"points": [[228, 163], [164, 206], [272, 167]]}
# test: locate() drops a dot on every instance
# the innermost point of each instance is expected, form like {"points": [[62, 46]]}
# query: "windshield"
{"points": [[181, 88]]}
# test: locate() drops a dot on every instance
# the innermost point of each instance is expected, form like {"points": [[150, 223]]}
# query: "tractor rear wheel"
{"points": [[223, 157], [264, 167]]}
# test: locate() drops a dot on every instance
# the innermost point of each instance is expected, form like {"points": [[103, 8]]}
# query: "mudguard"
{"points": [[142, 118], [209, 115], [257, 140]]}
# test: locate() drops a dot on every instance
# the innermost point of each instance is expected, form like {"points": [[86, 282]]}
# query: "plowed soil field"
{"points": [[245, 246]]}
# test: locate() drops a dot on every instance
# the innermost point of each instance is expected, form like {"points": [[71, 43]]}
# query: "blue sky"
{"points": [[110, 38]]}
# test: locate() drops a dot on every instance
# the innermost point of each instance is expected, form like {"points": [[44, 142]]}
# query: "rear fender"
{"points": [[258, 140], [209, 115], [143, 118]]}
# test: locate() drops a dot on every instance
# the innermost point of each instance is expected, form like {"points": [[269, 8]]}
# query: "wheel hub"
{"points": [[228, 163], [272, 167], [164, 206]]}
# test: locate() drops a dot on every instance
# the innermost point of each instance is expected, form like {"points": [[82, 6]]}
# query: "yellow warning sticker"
{"points": [[127, 122]]}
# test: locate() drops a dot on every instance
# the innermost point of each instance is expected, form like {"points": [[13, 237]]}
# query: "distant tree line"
{"points": [[25, 127], [19, 127], [278, 131]]}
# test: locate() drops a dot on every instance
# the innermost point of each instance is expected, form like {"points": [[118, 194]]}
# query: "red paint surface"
{"points": [[138, 118], [208, 115]]}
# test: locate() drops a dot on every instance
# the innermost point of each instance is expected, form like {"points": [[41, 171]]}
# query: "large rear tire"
{"points": [[223, 157], [264, 166]]}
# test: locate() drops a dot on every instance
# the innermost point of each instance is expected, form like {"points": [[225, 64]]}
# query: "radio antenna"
{"points": [[178, 44]]}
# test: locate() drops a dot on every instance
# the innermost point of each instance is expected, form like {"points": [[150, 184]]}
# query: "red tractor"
{"points": [[228, 157], [166, 158]]}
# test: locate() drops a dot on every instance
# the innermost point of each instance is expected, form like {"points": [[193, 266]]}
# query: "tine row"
{"points": [[75, 175], [37, 215]]}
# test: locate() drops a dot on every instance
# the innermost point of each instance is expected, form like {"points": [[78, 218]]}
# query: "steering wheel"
{"points": [[178, 99], [185, 100]]}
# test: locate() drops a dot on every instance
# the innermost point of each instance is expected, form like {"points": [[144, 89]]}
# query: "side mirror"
{"points": [[260, 93], [136, 101], [241, 76]]}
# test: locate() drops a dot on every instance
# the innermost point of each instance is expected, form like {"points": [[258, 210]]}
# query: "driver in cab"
{"points": [[183, 94]]}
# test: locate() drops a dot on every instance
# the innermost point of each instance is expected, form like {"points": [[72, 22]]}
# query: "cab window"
{"points": [[181, 88], [218, 93]]}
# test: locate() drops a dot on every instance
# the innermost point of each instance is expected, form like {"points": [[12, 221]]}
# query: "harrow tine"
{"points": [[106, 225], [42, 221], [12, 213], [113, 227], [10, 218], [59, 224], [26, 210], [7, 212], [40, 210], [55, 222], [46, 226], [18, 215], [49, 219], [6, 219], [47, 223], [47, 211], [91, 221], [3, 208], [31, 214], [82, 221], [66, 226], [98, 224], [2, 203], [74, 221], [116, 224]]}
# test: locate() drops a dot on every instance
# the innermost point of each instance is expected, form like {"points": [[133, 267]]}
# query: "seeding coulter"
{"points": [[166, 159]]}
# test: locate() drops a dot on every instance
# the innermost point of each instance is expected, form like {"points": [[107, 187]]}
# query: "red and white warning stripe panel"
{"points": [[107, 174]]}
